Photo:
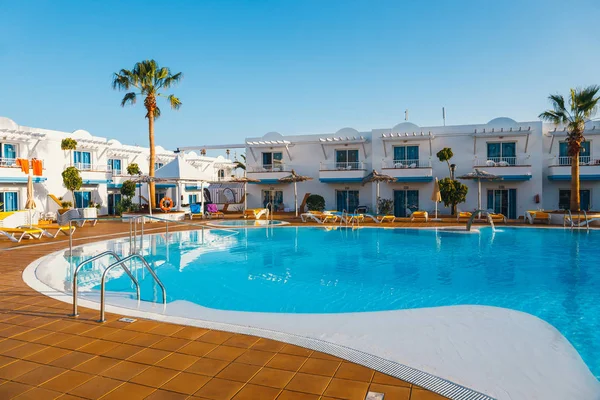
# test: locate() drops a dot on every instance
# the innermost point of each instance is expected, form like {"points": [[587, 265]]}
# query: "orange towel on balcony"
{"points": [[37, 167], [24, 164]]}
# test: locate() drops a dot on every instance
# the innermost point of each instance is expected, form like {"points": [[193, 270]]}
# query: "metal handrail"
{"points": [[587, 223], [96, 257], [570, 218], [477, 212], [113, 265]]}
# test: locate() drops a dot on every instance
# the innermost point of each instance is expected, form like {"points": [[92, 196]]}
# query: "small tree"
{"points": [[453, 193], [444, 155], [72, 181], [134, 169], [69, 144], [315, 202], [128, 189]]}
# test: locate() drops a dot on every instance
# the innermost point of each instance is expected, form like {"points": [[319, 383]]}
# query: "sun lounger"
{"points": [[256, 213], [463, 216], [17, 234], [52, 230], [378, 219], [318, 216], [213, 212], [497, 217], [533, 216], [419, 216]]}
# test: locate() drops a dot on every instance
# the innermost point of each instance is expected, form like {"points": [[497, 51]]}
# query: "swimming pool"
{"points": [[551, 273], [245, 222]]}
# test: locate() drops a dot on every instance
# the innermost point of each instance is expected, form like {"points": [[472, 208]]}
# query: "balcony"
{"points": [[509, 168], [409, 170], [343, 172], [560, 169], [269, 173], [93, 174], [10, 172]]}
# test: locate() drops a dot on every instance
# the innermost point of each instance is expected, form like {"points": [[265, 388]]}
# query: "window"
{"points": [[406, 156], [193, 198], [82, 199], [584, 155], [221, 174], [503, 201], [158, 197], [9, 200], [275, 197], [82, 160], [158, 165], [564, 199], [272, 161], [346, 159], [114, 165], [347, 200], [9, 154], [504, 153]]}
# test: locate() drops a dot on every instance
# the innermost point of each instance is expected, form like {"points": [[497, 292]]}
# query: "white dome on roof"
{"points": [[192, 154], [159, 149], [406, 127], [80, 133], [7, 123], [114, 142], [347, 132], [503, 122], [273, 136]]}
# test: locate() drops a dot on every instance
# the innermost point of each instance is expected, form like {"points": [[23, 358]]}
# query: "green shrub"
{"points": [[386, 206], [128, 189], [72, 180], [134, 169], [315, 202], [68, 144], [453, 193]]}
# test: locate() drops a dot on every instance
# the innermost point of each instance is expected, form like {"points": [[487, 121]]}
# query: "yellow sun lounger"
{"points": [[52, 230], [17, 234], [419, 216], [463, 216], [381, 218], [533, 216], [256, 213], [318, 216], [497, 217]]}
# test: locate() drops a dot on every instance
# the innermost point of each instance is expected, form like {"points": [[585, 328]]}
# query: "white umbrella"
{"points": [[436, 196]]}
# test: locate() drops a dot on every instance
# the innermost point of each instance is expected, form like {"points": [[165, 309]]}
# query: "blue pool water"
{"points": [[551, 273], [236, 223]]}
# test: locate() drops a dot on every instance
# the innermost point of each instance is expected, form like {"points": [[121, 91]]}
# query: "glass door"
{"points": [[405, 201], [503, 201], [275, 197], [347, 200], [113, 201], [10, 201]]}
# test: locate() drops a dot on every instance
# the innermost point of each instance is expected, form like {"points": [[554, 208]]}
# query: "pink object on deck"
{"points": [[212, 208]]}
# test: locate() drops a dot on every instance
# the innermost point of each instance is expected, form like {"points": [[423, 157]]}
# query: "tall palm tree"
{"points": [[582, 105], [148, 79]]}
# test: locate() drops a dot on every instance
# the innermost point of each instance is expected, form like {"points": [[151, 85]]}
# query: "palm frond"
{"points": [[130, 98], [555, 117], [171, 80], [174, 101]]}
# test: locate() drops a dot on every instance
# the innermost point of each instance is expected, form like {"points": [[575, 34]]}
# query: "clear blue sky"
{"points": [[292, 66]]}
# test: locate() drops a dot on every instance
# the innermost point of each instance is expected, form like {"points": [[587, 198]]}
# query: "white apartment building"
{"points": [[530, 157], [102, 164]]}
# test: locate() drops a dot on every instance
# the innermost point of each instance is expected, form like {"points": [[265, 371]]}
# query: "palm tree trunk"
{"points": [[152, 160], [574, 206]]}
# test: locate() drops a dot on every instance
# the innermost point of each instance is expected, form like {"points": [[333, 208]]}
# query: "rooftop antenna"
{"points": [[406, 114], [444, 115]]}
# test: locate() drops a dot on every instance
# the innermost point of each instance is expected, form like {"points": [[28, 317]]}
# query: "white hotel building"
{"points": [[102, 163], [529, 156]]}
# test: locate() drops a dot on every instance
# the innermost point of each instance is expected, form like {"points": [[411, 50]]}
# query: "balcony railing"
{"points": [[501, 162], [342, 166], [10, 162], [90, 167], [399, 164], [270, 168], [583, 160]]}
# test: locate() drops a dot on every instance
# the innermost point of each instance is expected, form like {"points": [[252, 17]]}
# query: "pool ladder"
{"points": [[354, 221], [119, 262], [580, 224]]}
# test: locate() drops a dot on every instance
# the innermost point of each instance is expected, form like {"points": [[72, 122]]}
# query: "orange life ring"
{"points": [[163, 206]]}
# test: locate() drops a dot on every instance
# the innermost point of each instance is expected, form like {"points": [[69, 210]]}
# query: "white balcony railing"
{"points": [[399, 164], [90, 167], [115, 171], [583, 161], [501, 162], [10, 162], [270, 168], [342, 166]]}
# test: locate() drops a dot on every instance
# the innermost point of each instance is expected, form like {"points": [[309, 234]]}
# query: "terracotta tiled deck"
{"points": [[44, 354]]}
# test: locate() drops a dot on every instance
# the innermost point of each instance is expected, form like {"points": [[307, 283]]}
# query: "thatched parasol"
{"points": [[147, 179], [295, 178], [377, 178], [245, 180], [480, 175]]}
